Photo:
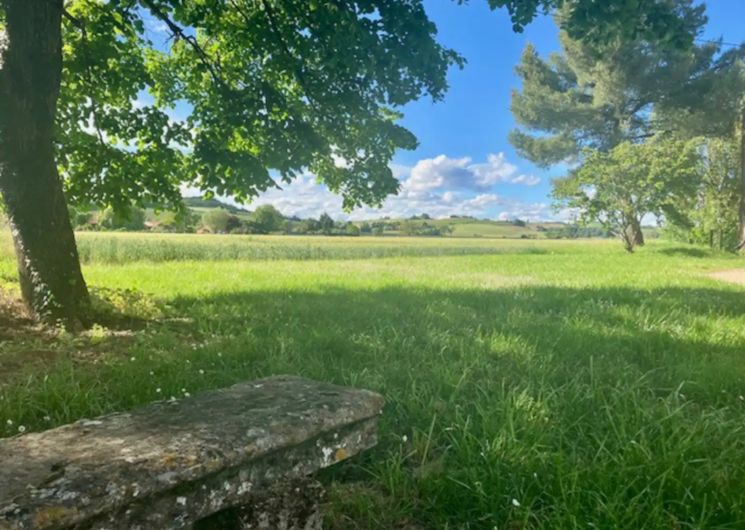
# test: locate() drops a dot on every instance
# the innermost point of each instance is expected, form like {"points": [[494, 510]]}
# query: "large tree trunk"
{"points": [[742, 176], [30, 70], [637, 236]]}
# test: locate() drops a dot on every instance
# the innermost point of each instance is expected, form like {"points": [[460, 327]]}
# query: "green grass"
{"points": [[530, 384]]}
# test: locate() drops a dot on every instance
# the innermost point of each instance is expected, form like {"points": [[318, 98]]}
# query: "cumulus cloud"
{"points": [[440, 172], [495, 170], [461, 173]]}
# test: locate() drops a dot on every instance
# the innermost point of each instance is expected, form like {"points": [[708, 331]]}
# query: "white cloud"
{"points": [[527, 180], [496, 169], [482, 201], [440, 172], [460, 173]]}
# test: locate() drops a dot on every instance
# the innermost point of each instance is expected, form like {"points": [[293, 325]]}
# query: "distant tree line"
{"points": [[220, 218]]}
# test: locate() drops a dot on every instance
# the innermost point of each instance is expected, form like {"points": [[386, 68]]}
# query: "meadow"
{"points": [[529, 384]]}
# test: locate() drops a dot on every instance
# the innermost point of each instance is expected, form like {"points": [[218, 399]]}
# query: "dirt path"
{"points": [[732, 276]]}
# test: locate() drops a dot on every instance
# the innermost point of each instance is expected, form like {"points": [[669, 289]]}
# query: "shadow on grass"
{"points": [[688, 252], [28, 346], [677, 333]]}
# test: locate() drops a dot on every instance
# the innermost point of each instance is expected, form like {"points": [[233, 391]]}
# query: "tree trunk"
{"points": [[637, 236], [52, 284], [742, 177]]}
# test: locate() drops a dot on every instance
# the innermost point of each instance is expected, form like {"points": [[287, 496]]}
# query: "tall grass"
{"points": [[119, 248]]}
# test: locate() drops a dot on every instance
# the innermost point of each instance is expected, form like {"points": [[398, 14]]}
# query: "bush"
{"points": [[132, 218], [216, 221], [267, 219]]}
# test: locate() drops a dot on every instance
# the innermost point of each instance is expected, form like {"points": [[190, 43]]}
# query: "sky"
{"points": [[464, 164]]}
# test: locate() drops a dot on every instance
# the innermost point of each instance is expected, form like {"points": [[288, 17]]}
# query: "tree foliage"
{"points": [[132, 219], [618, 188], [710, 216], [597, 97], [325, 223], [601, 22], [262, 88], [267, 218]]}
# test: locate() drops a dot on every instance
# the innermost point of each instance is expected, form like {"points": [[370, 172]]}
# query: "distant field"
{"points": [[530, 384], [125, 247]]}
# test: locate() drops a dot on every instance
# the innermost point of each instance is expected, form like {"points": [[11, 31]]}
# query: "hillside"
{"points": [[202, 204]]}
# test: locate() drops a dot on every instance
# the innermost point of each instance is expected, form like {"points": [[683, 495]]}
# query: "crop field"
{"points": [[529, 384]]}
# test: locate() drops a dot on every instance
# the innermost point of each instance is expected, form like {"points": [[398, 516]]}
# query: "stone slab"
{"points": [[170, 464]]}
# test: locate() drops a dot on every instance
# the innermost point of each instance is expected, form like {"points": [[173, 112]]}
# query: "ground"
{"points": [[733, 276], [530, 384]]}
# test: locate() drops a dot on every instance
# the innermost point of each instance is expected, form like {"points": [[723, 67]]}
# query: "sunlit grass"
{"points": [[529, 384]]}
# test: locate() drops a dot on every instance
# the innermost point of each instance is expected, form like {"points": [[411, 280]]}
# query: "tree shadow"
{"points": [[529, 331], [689, 252]]}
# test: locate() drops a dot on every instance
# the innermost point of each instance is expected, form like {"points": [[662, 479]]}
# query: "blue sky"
{"points": [[464, 163]]}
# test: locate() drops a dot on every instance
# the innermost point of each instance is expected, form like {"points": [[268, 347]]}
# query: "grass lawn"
{"points": [[530, 384]]}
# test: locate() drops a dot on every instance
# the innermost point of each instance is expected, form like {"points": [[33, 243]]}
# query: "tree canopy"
{"points": [[266, 85], [598, 96]]}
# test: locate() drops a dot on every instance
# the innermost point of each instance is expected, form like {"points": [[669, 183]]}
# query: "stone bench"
{"points": [[238, 457]]}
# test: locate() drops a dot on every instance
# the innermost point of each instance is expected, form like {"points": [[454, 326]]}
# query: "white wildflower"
{"points": [[515, 503], [21, 428]]}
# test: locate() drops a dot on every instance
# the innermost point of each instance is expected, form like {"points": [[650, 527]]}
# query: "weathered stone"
{"points": [[293, 505], [170, 464]]}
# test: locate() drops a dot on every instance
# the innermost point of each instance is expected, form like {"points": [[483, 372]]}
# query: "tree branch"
{"points": [[642, 136], [179, 33], [78, 23]]}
